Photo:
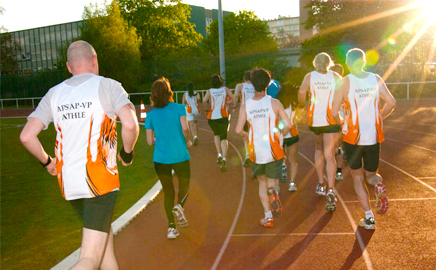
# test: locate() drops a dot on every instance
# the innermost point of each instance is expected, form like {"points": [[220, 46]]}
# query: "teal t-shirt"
{"points": [[170, 146]]}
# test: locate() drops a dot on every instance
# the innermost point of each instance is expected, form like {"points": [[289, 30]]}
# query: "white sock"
{"points": [[268, 214], [369, 214]]}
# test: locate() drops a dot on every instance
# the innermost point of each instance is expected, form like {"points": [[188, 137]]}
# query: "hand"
{"points": [[189, 144], [52, 168], [122, 162], [245, 135], [234, 110]]}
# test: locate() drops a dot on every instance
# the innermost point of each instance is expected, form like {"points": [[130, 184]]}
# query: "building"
{"points": [[285, 29], [202, 18]]}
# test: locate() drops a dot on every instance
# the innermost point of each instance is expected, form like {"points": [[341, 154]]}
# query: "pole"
{"points": [[221, 42]]}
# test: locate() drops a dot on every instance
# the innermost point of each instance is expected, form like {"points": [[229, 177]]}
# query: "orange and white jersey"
{"points": [[265, 141], [218, 103], [322, 89], [363, 124], [86, 141], [247, 92], [192, 103], [291, 114]]}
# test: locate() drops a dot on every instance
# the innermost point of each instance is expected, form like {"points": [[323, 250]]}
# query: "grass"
{"points": [[38, 227]]}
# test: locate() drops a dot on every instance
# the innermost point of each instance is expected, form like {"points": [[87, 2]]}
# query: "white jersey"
{"points": [[192, 103], [265, 141], [291, 114], [86, 141], [322, 89], [218, 103], [363, 124], [247, 92]]}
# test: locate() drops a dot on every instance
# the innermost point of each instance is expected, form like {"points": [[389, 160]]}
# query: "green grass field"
{"points": [[38, 227]]}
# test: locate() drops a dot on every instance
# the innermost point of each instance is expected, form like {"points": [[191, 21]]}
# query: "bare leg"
{"points": [[319, 158], [330, 140], [360, 188], [224, 146], [217, 142], [193, 128], [292, 154], [92, 250], [263, 193], [109, 261]]}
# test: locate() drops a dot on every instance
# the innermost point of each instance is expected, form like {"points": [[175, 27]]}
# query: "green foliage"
{"points": [[8, 47], [162, 25], [244, 33], [116, 44]]}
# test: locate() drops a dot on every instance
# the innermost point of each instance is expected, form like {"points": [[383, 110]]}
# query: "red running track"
{"points": [[224, 210]]}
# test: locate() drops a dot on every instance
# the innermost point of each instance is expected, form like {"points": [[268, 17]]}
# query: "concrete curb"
{"points": [[118, 224]]}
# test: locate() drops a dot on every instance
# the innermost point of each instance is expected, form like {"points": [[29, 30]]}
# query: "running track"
{"points": [[223, 211]]}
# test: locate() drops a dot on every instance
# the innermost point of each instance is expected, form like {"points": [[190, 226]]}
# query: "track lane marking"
{"points": [[289, 234], [411, 144], [431, 134], [405, 199], [398, 121]]}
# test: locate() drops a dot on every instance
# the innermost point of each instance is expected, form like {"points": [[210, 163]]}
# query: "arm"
{"points": [[183, 99], [241, 122], [238, 89], [150, 137], [29, 138], [280, 111], [342, 87], [390, 101], [305, 86], [129, 130], [185, 129]]}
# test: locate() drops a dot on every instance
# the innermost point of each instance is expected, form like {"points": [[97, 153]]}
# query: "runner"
{"points": [[266, 155], [289, 98], [167, 128], [84, 111], [246, 91], [273, 87], [321, 84], [363, 129], [218, 116], [191, 99]]}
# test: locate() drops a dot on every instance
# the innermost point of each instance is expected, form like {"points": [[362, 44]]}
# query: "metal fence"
{"points": [[400, 90]]}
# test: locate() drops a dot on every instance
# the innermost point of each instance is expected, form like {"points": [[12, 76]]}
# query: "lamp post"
{"points": [[221, 42]]}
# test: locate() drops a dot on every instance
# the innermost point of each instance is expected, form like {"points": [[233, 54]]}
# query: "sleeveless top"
{"points": [[218, 103], [363, 123], [265, 141], [86, 141], [247, 92], [322, 89], [294, 131], [192, 103]]}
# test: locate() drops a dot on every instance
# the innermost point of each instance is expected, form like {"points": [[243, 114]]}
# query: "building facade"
{"points": [[285, 27]]}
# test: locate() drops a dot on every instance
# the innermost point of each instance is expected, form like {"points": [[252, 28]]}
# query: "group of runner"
{"points": [[85, 108]]}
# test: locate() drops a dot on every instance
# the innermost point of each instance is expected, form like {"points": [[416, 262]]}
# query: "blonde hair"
{"points": [[323, 61]]}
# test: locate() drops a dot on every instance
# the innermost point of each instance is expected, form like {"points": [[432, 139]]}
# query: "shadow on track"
{"points": [[357, 252]]}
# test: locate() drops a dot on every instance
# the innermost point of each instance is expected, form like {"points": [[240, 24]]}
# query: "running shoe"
{"points": [[284, 174], [195, 140], [179, 216], [331, 201], [368, 223], [339, 176], [247, 162], [267, 222], [223, 167], [381, 201], [292, 186], [219, 159], [320, 189], [276, 204], [172, 233]]}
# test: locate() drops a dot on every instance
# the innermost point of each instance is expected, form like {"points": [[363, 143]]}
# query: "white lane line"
{"points": [[427, 177], [398, 121], [431, 134], [411, 176], [289, 234], [353, 225], [411, 144], [238, 211], [398, 200]]}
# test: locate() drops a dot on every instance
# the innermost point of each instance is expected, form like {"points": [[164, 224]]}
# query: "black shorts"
{"points": [[219, 127], [369, 153], [271, 170], [96, 212], [290, 141], [326, 129], [246, 127]]}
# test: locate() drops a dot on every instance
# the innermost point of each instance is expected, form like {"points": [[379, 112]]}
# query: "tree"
{"points": [[116, 43], [243, 33], [162, 24], [9, 48]]}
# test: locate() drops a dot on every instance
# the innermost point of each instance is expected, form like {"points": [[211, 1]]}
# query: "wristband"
{"points": [[126, 157], [47, 163]]}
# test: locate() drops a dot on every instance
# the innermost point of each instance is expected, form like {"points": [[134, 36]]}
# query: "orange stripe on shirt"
{"points": [[276, 147], [353, 133]]}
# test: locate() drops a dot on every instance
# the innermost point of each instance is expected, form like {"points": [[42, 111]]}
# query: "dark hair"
{"points": [[356, 56], [288, 95], [247, 75], [338, 68], [161, 93], [190, 87], [216, 81], [323, 61], [260, 79]]}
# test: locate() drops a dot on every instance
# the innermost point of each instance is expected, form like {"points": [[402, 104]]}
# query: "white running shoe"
{"points": [[179, 216], [292, 186], [367, 223], [219, 159], [331, 201], [339, 176], [320, 190], [284, 173], [172, 233], [195, 140]]}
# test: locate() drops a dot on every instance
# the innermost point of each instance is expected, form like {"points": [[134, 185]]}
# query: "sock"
{"points": [[172, 225], [339, 170], [369, 214], [268, 214]]}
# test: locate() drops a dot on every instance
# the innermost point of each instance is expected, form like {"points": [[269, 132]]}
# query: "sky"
{"points": [[26, 14]]}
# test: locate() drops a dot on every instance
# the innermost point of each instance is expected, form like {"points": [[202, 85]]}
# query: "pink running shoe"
{"points": [[381, 201]]}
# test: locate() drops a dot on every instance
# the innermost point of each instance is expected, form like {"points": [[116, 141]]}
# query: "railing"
{"points": [[400, 90]]}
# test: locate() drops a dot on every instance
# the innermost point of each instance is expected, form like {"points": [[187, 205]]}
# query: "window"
{"points": [[208, 21]]}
